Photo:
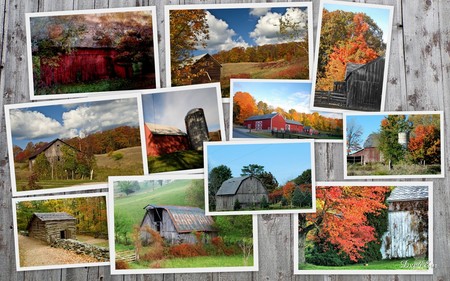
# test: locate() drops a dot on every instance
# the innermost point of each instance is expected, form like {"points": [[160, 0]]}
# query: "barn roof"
{"points": [[352, 67], [57, 216], [408, 193], [45, 147], [195, 59], [158, 129], [231, 186], [293, 122], [187, 219], [261, 117]]}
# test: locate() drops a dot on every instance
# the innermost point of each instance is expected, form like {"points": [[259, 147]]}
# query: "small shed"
{"points": [[310, 130], [407, 234], [51, 226], [52, 151], [197, 128], [248, 190], [272, 121], [294, 126], [207, 64], [161, 139], [177, 224]]}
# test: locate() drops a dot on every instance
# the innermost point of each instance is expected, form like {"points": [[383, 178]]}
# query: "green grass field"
{"points": [[395, 264], [208, 261], [378, 169], [180, 160]]}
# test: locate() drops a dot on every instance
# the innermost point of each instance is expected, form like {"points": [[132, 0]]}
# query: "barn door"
{"points": [[258, 125]]}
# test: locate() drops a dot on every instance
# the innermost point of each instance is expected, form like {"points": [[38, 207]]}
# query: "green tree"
{"points": [[297, 198], [237, 205], [268, 180], [216, 177], [304, 178], [42, 167], [69, 159], [264, 204], [392, 151], [196, 194], [252, 170], [128, 187]]}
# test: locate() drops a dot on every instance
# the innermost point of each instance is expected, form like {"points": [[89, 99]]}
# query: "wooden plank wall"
{"points": [[418, 80]]}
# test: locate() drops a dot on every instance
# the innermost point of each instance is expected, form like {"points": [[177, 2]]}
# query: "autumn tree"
{"points": [[244, 106], [425, 144], [341, 218], [353, 134], [188, 31], [216, 177], [392, 151]]}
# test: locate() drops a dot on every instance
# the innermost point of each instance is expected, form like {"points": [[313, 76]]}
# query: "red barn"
{"points": [[293, 126], [365, 155], [272, 121], [162, 139], [310, 130]]}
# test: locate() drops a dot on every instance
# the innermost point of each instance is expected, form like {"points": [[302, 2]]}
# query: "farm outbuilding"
{"points": [[177, 224], [294, 126], [206, 67], [51, 226], [52, 151], [162, 139], [248, 190], [407, 234]]}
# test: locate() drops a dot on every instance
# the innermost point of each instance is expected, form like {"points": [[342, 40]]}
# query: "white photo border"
{"points": [[168, 8], [429, 184], [52, 197], [162, 91], [441, 123], [9, 107], [28, 17], [316, 53], [111, 233], [261, 212], [232, 81]]}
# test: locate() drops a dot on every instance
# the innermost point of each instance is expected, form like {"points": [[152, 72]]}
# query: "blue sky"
{"points": [[285, 94], [244, 27], [379, 15], [369, 124], [46, 123], [170, 108], [285, 161]]}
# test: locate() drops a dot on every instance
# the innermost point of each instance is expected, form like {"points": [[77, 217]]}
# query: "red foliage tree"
{"points": [[425, 145], [244, 106]]}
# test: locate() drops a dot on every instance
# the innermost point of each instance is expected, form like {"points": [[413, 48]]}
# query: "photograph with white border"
{"points": [[400, 144], [259, 177], [176, 123], [158, 225], [279, 109], [87, 52], [351, 56], [75, 144], [388, 230], [64, 231], [216, 42]]}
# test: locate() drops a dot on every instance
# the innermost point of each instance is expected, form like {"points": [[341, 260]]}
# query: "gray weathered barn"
{"points": [[51, 226], [177, 224], [52, 151], [196, 128], [248, 190], [407, 234]]}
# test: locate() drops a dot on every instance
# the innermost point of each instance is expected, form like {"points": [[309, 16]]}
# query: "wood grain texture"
{"points": [[418, 79]]}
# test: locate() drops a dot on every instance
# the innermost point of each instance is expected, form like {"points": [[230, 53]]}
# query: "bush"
{"points": [[185, 250], [237, 205], [326, 254], [122, 265], [284, 201], [117, 156], [264, 204]]}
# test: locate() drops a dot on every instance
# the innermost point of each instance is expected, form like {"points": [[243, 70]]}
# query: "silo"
{"points": [[403, 138], [196, 128]]}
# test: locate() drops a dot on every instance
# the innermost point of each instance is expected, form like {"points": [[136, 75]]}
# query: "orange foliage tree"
{"points": [[425, 145], [341, 218], [244, 106]]}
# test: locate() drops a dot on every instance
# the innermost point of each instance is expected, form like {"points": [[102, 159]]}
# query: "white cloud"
{"points": [[267, 30], [78, 120], [221, 36], [258, 12]]}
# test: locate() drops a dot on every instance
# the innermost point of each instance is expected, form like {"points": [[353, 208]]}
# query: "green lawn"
{"points": [[378, 169], [180, 160], [266, 134], [206, 261], [395, 264]]}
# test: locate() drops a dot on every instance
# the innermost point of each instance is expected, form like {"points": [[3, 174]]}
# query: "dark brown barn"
{"points": [[211, 67], [51, 226], [177, 224], [407, 234], [248, 190], [162, 139], [52, 151]]}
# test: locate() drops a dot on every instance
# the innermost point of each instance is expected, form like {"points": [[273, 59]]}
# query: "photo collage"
{"points": [[151, 170]]}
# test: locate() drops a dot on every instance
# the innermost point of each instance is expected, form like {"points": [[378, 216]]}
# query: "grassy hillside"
{"points": [[130, 163]]}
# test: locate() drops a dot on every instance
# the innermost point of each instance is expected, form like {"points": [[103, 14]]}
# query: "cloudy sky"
{"points": [[285, 161], [284, 94], [244, 27], [170, 108], [46, 123]]}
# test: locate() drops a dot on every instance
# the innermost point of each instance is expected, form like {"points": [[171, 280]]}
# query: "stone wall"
{"points": [[97, 252]]}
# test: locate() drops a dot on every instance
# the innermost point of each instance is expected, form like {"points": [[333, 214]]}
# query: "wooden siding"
{"points": [[251, 191], [163, 144], [366, 155], [418, 79], [53, 153], [212, 68], [49, 231]]}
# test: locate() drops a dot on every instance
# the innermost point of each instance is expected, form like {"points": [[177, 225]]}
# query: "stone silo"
{"points": [[196, 128]]}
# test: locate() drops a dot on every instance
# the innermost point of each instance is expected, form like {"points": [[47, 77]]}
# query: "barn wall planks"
{"points": [[418, 79]]}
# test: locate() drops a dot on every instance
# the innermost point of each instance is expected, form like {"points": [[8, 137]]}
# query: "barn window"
{"points": [[157, 217]]}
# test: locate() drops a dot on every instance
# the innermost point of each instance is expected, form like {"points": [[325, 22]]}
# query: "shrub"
{"points": [[326, 254], [237, 205], [185, 250], [264, 204], [32, 182], [122, 265], [117, 156], [284, 201]]}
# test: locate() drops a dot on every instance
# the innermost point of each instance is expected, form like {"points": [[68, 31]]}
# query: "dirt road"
{"points": [[34, 252]]}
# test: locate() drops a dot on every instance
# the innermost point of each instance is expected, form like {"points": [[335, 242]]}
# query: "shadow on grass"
{"points": [[180, 160]]}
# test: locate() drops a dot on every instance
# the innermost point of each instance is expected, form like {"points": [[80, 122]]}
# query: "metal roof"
{"points": [[408, 193], [293, 122], [261, 117], [187, 219], [231, 186], [158, 129]]}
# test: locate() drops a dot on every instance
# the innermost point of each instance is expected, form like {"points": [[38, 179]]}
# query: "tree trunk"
{"points": [[301, 248], [92, 174]]}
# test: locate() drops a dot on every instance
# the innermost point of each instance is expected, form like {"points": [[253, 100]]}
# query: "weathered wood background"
{"points": [[418, 80]]}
